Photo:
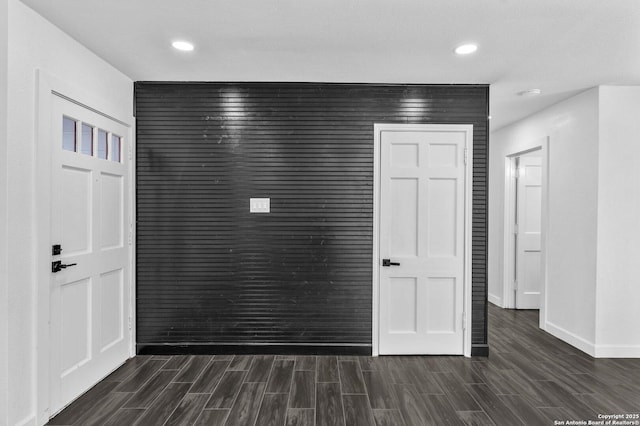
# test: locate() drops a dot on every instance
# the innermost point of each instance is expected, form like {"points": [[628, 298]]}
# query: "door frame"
{"points": [[508, 299], [47, 86], [468, 175]]}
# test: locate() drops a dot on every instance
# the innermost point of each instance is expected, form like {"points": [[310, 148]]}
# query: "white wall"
{"points": [[572, 128], [4, 320], [618, 267], [36, 44], [593, 228]]}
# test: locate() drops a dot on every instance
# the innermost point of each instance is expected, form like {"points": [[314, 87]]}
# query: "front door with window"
{"points": [[90, 289]]}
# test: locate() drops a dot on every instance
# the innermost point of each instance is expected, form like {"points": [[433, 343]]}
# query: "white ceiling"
{"points": [[559, 46]]}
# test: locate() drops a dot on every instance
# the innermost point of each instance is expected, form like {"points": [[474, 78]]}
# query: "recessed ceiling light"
{"points": [[465, 49], [182, 45], [530, 92]]}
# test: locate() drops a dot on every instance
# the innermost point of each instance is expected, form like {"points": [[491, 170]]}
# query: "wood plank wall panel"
{"points": [[208, 272]]}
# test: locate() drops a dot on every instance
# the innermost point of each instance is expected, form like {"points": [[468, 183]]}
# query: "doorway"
{"points": [[90, 263], [527, 232], [422, 239], [84, 228], [525, 223]]}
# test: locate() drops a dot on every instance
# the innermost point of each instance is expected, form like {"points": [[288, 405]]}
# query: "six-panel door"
{"points": [[528, 254], [422, 184]]}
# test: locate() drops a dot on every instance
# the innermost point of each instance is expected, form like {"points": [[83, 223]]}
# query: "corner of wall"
{"points": [[617, 351], [4, 282], [571, 338], [597, 191], [28, 421], [496, 300], [30, 41], [618, 229], [572, 211]]}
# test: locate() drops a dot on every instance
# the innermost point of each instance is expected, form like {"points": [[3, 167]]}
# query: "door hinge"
{"points": [[130, 154], [130, 238], [466, 153], [130, 323], [515, 285], [464, 320], [515, 228]]}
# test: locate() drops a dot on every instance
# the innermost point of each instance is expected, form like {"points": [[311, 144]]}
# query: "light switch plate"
{"points": [[259, 205]]}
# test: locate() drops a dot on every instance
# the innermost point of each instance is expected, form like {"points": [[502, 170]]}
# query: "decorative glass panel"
{"points": [[69, 134], [103, 150], [116, 142], [87, 139]]}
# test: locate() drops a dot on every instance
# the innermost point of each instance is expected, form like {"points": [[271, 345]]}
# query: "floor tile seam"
{"points": [[211, 361], [81, 418], [505, 406], [286, 415], [153, 400], [130, 374], [176, 406], [295, 365], [218, 384], [290, 378], [266, 383], [341, 399], [185, 366], [106, 420], [142, 384], [235, 399], [212, 409]]}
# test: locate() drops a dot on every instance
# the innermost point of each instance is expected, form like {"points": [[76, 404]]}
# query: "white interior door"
{"points": [[89, 323], [422, 234], [529, 225]]}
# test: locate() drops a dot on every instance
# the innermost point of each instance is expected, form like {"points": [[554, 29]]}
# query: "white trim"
{"points": [[617, 351], [30, 420], [375, 294], [46, 86], [509, 228], [544, 260], [43, 239], [90, 108], [508, 300], [132, 246], [468, 227], [571, 338], [377, 129], [495, 300], [596, 351]]}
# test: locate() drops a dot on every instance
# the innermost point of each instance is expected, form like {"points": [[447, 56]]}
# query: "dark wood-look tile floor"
{"points": [[530, 378]]}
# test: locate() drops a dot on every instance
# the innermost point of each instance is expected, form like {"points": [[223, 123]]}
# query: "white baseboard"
{"points": [[31, 421], [495, 300], [596, 351], [571, 338], [617, 351]]}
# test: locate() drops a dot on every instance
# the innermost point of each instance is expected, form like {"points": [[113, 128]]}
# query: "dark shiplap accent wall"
{"points": [[211, 273]]}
